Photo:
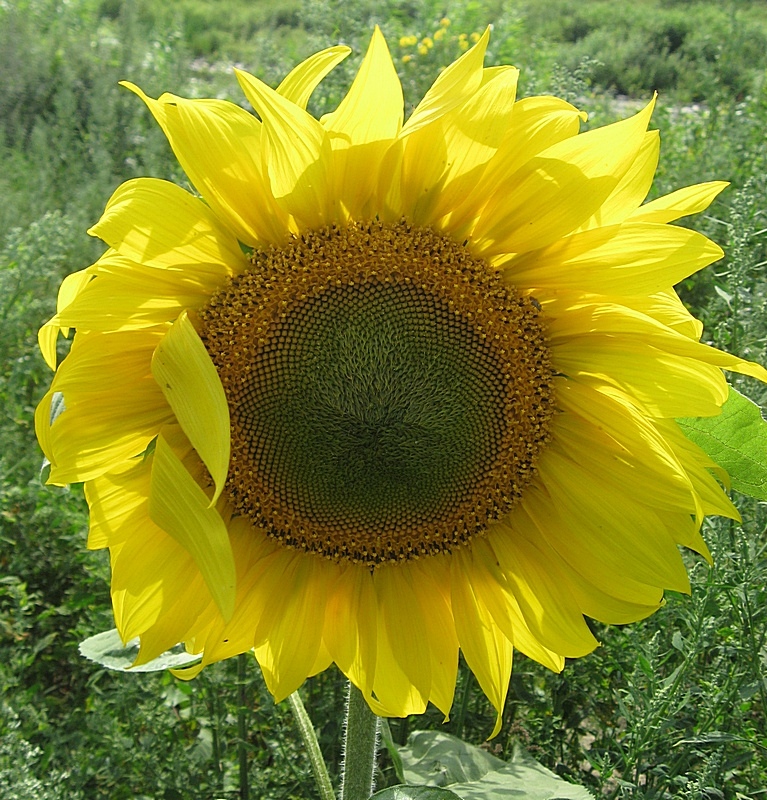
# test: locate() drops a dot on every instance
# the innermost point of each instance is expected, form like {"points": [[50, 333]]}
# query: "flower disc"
{"points": [[388, 394]]}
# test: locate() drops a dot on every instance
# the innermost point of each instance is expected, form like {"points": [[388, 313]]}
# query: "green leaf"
{"points": [[57, 409], [438, 759], [713, 737], [736, 440], [45, 471], [414, 793], [108, 650], [392, 749]]}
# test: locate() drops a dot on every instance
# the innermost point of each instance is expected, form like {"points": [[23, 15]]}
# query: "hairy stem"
{"points": [[361, 734], [309, 738]]}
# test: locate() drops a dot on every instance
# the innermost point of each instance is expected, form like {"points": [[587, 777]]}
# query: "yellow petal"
{"points": [[157, 590], [193, 279], [48, 335], [394, 694], [598, 322], [486, 650], [625, 442], [181, 508], [431, 585], [296, 152], [699, 468], [686, 532], [669, 310], [108, 421], [607, 525], [129, 296], [559, 189], [117, 503], [454, 85], [404, 624], [373, 107], [549, 609], [170, 628], [321, 662], [157, 223], [490, 585], [550, 120], [261, 569], [633, 186], [71, 287], [363, 126], [303, 79], [665, 384], [690, 200], [616, 578], [218, 144], [351, 624], [628, 259], [670, 491], [589, 598], [151, 572], [537, 123], [142, 294], [292, 624], [186, 375], [461, 146]]}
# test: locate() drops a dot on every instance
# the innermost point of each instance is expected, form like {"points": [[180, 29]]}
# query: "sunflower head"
{"points": [[382, 390]]}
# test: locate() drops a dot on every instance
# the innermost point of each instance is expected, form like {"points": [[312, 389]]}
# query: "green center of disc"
{"points": [[372, 407], [388, 395]]}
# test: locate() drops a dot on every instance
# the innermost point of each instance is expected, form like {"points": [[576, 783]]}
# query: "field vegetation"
{"points": [[673, 707]]}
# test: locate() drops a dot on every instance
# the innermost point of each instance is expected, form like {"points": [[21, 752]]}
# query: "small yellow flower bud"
{"points": [[423, 49], [475, 37], [439, 34], [407, 59], [444, 22]]}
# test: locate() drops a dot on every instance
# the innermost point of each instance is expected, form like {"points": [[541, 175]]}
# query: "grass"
{"points": [[674, 706]]}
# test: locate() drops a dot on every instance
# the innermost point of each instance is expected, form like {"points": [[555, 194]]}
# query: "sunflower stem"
{"points": [[242, 724], [361, 737], [309, 737], [461, 718]]}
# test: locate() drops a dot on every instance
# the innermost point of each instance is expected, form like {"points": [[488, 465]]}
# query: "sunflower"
{"points": [[384, 391]]}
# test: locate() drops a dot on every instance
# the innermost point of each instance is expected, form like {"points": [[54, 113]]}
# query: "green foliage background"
{"points": [[674, 706]]}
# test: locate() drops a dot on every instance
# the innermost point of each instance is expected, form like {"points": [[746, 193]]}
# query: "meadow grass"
{"points": [[675, 706]]}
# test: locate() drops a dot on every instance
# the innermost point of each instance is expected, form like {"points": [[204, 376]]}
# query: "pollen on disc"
{"points": [[388, 393]]}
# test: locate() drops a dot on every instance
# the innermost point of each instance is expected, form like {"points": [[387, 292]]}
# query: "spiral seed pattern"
{"points": [[389, 395]]}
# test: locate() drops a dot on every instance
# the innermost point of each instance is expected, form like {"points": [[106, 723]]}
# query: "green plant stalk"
{"points": [[242, 724], [361, 736], [465, 694], [309, 738]]}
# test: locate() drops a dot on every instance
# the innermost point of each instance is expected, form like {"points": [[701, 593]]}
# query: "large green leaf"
{"points": [[737, 441], [414, 793], [438, 759], [108, 650]]}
